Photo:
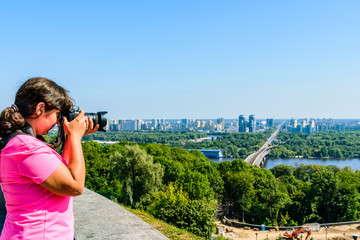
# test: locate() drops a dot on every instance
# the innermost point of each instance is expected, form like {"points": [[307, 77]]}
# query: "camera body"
{"points": [[74, 111], [98, 118]]}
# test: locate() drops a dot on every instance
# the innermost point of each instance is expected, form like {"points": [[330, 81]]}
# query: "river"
{"points": [[341, 163]]}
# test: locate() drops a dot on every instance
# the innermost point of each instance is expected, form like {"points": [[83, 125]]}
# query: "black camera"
{"points": [[98, 118]]}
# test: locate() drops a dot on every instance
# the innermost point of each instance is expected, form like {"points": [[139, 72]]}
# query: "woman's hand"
{"points": [[91, 128], [80, 126]]}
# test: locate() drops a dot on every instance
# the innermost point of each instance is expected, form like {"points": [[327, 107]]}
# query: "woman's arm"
{"points": [[70, 180]]}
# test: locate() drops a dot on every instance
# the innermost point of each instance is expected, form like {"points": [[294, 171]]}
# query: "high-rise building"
{"points": [[155, 124], [138, 124], [270, 122], [307, 129], [129, 125], [252, 123], [242, 123], [304, 123], [221, 123], [184, 123], [197, 124], [114, 126], [293, 122]]}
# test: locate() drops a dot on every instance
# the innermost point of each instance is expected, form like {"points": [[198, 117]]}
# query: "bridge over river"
{"points": [[258, 158]]}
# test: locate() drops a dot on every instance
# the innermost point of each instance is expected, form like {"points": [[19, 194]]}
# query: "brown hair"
{"points": [[32, 92]]}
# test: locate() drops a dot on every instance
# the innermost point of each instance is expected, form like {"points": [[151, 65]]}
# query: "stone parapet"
{"points": [[97, 217]]}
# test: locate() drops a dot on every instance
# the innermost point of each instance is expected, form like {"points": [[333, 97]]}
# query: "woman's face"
{"points": [[46, 121]]}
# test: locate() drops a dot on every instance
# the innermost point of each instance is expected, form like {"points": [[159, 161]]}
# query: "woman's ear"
{"points": [[40, 108]]}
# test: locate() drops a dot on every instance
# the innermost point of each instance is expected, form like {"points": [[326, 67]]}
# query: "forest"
{"points": [[185, 189], [162, 137], [329, 144], [232, 145]]}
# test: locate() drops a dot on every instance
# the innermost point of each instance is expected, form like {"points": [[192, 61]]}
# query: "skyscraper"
{"points": [[252, 123], [270, 122], [242, 123], [293, 122], [184, 123], [155, 124], [221, 123]]}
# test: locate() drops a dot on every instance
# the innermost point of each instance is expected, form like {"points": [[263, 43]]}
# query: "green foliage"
{"points": [[282, 171], [240, 187], [331, 144], [159, 137], [291, 196], [235, 145], [140, 176], [196, 185], [98, 169], [183, 187], [174, 206], [254, 192], [168, 230], [134, 174], [179, 163]]}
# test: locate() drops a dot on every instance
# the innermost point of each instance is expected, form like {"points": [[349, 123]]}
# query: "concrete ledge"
{"points": [[97, 217]]}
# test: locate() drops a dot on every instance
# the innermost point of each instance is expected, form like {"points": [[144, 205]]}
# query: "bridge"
{"points": [[258, 158]]}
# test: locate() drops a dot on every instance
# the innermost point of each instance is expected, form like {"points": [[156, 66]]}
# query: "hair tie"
{"points": [[15, 108]]}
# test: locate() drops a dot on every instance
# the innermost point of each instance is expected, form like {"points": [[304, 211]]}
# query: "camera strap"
{"points": [[26, 129], [60, 138], [4, 141]]}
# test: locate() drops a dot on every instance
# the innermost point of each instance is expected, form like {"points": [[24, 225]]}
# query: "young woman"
{"points": [[38, 183]]}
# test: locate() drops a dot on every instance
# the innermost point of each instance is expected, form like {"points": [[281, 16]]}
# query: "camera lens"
{"points": [[98, 118]]}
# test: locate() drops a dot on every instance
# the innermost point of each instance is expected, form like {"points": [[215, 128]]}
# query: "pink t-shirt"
{"points": [[32, 211]]}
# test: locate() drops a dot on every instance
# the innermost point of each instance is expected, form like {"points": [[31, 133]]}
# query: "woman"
{"points": [[38, 183]]}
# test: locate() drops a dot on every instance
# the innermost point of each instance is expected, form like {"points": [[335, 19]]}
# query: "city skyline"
{"points": [[242, 124], [186, 59]]}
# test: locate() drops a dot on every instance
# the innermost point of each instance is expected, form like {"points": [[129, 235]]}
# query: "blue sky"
{"points": [[188, 59]]}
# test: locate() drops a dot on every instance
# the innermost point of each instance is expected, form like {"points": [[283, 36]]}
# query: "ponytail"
{"points": [[10, 121]]}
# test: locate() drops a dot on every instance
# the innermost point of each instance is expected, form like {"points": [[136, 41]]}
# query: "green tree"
{"points": [[240, 186], [326, 195], [282, 170], [139, 175], [196, 185], [349, 182], [174, 206]]}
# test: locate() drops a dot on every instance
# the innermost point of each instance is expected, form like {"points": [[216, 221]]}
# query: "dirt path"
{"points": [[332, 233]]}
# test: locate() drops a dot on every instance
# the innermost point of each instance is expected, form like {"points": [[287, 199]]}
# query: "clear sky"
{"points": [[188, 58]]}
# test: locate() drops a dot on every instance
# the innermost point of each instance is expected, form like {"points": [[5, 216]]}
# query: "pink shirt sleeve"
{"points": [[40, 164]]}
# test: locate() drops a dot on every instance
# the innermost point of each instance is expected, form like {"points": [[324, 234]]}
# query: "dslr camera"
{"points": [[98, 118]]}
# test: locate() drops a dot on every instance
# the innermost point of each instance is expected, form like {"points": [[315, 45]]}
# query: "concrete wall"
{"points": [[96, 217]]}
